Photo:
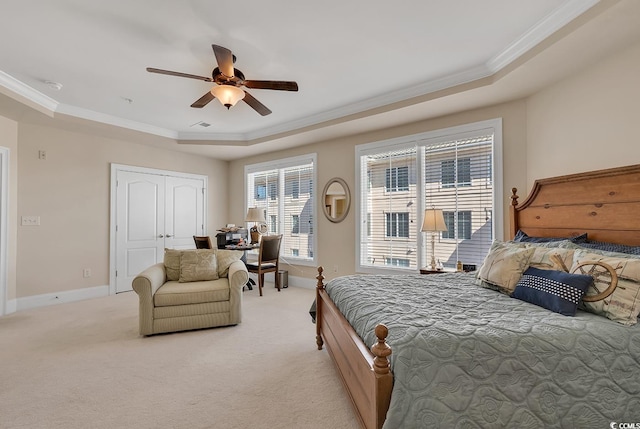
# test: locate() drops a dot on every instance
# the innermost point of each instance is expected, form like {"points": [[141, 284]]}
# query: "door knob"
{"points": [[161, 236], [169, 235]]}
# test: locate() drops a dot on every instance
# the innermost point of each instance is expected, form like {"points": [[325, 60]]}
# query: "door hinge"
{"points": [[116, 273]]}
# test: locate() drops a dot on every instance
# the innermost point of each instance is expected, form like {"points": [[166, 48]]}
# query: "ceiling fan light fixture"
{"points": [[227, 95]]}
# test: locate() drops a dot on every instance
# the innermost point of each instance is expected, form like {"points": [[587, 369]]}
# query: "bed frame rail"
{"points": [[365, 373]]}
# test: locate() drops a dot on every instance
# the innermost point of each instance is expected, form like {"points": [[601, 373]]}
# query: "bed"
{"points": [[487, 359]]}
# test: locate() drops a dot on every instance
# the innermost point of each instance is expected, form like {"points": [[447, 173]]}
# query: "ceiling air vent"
{"points": [[201, 124]]}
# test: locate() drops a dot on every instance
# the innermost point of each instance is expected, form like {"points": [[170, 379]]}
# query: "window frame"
{"points": [[493, 126], [281, 165]]}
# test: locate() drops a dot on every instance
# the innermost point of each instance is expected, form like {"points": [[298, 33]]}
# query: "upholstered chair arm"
{"points": [[238, 278], [146, 284]]}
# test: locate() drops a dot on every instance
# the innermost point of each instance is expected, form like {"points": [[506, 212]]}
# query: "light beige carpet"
{"points": [[83, 365]]}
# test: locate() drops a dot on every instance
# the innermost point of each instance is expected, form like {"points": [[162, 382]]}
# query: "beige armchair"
{"points": [[170, 305]]}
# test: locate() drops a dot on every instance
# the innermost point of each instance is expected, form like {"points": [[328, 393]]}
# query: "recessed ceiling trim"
{"points": [[18, 88], [91, 115], [536, 34]]}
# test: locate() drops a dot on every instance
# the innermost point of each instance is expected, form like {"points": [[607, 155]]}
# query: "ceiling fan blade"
{"points": [[203, 101], [255, 104], [172, 73], [280, 85], [224, 57]]}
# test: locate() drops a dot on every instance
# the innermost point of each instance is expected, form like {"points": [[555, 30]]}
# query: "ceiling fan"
{"points": [[228, 82]]}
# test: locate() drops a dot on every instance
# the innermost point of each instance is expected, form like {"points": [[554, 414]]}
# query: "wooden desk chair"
{"points": [[202, 242], [268, 259]]}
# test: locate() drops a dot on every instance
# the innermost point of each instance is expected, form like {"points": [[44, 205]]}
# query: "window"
{"points": [[397, 225], [396, 262], [451, 169], [456, 172], [460, 229], [295, 252], [295, 222], [285, 190], [397, 179], [260, 192]]}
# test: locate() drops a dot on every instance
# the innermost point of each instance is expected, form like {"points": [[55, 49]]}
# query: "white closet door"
{"points": [[140, 235], [154, 212], [184, 215]]}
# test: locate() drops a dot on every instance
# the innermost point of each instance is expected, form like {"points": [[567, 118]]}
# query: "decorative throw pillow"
{"points": [[522, 236], [198, 265], [616, 285], [172, 263], [225, 259], [557, 291], [611, 247], [504, 265], [551, 258]]}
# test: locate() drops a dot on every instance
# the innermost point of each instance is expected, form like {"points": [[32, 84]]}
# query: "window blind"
{"points": [[458, 180], [451, 170], [285, 190], [388, 236]]}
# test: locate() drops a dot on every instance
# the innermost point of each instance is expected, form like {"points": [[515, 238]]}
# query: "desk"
{"points": [[244, 247]]}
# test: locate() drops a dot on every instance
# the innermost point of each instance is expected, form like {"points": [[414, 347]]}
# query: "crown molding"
{"points": [[536, 34], [103, 118], [19, 89]]}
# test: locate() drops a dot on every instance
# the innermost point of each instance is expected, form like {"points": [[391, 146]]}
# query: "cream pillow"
{"points": [[623, 303], [172, 263], [504, 265], [545, 258], [198, 265], [225, 259]]}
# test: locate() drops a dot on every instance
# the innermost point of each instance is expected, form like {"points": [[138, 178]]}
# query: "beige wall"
{"points": [[70, 191], [9, 139], [336, 158], [587, 122]]}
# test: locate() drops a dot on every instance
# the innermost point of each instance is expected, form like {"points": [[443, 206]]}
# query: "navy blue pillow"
{"points": [[557, 291], [522, 236], [611, 247]]}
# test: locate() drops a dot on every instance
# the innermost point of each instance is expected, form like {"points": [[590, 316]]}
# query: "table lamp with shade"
{"points": [[433, 223], [255, 215]]}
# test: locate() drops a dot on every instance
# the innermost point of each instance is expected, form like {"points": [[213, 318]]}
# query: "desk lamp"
{"points": [[433, 223], [255, 215]]}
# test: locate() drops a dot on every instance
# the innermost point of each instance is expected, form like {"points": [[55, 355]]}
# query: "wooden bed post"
{"points": [[319, 287], [513, 224]]}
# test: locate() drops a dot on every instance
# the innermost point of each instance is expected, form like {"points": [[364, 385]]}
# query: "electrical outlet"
{"points": [[30, 220], [86, 273]]}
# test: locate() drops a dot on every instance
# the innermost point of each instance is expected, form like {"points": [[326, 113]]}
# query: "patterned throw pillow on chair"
{"points": [[172, 263], [198, 265], [557, 291]]}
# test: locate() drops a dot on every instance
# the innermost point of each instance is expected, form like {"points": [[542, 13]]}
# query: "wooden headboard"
{"points": [[604, 203]]}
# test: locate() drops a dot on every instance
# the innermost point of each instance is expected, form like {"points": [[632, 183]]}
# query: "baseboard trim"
{"points": [[302, 282], [46, 299], [11, 306]]}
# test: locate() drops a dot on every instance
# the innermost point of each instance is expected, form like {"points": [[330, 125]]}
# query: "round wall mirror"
{"points": [[336, 200]]}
